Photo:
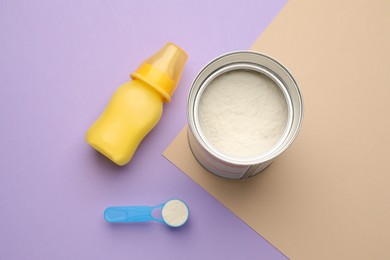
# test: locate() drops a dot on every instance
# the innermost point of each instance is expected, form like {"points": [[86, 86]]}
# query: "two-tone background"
{"points": [[60, 61]]}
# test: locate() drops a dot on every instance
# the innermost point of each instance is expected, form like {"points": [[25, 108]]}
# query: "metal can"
{"points": [[228, 166]]}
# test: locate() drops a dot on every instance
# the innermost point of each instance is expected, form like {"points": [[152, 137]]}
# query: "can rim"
{"points": [[272, 153]]}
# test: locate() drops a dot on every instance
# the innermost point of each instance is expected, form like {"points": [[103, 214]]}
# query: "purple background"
{"points": [[60, 61]]}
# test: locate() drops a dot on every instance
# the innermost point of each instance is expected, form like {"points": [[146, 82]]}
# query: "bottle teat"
{"points": [[163, 70]]}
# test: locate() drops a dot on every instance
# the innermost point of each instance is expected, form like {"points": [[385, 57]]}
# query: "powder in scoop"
{"points": [[243, 113], [175, 213]]}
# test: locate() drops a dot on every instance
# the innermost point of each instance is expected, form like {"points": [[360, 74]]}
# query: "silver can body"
{"points": [[227, 166]]}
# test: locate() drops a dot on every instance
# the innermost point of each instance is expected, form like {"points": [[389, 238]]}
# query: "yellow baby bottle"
{"points": [[136, 106]]}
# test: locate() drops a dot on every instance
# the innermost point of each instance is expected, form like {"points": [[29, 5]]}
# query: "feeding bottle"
{"points": [[137, 105]]}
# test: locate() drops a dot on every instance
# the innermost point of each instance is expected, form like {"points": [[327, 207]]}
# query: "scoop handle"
{"points": [[129, 214]]}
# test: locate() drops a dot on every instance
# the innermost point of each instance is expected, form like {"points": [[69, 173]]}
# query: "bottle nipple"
{"points": [[163, 70]]}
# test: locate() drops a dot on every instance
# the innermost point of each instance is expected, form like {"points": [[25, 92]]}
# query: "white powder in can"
{"points": [[243, 113]]}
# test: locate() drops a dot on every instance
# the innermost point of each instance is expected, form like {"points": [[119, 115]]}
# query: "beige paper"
{"points": [[328, 195]]}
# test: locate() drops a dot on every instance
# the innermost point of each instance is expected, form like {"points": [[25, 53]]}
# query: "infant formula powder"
{"points": [[243, 113]]}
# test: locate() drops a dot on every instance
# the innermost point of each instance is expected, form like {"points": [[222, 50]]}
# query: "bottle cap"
{"points": [[163, 70]]}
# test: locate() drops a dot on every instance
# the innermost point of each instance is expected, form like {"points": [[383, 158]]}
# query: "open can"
{"points": [[228, 166]]}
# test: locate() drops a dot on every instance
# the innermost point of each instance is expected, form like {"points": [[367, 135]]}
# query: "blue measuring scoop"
{"points": [[174, 213]]}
